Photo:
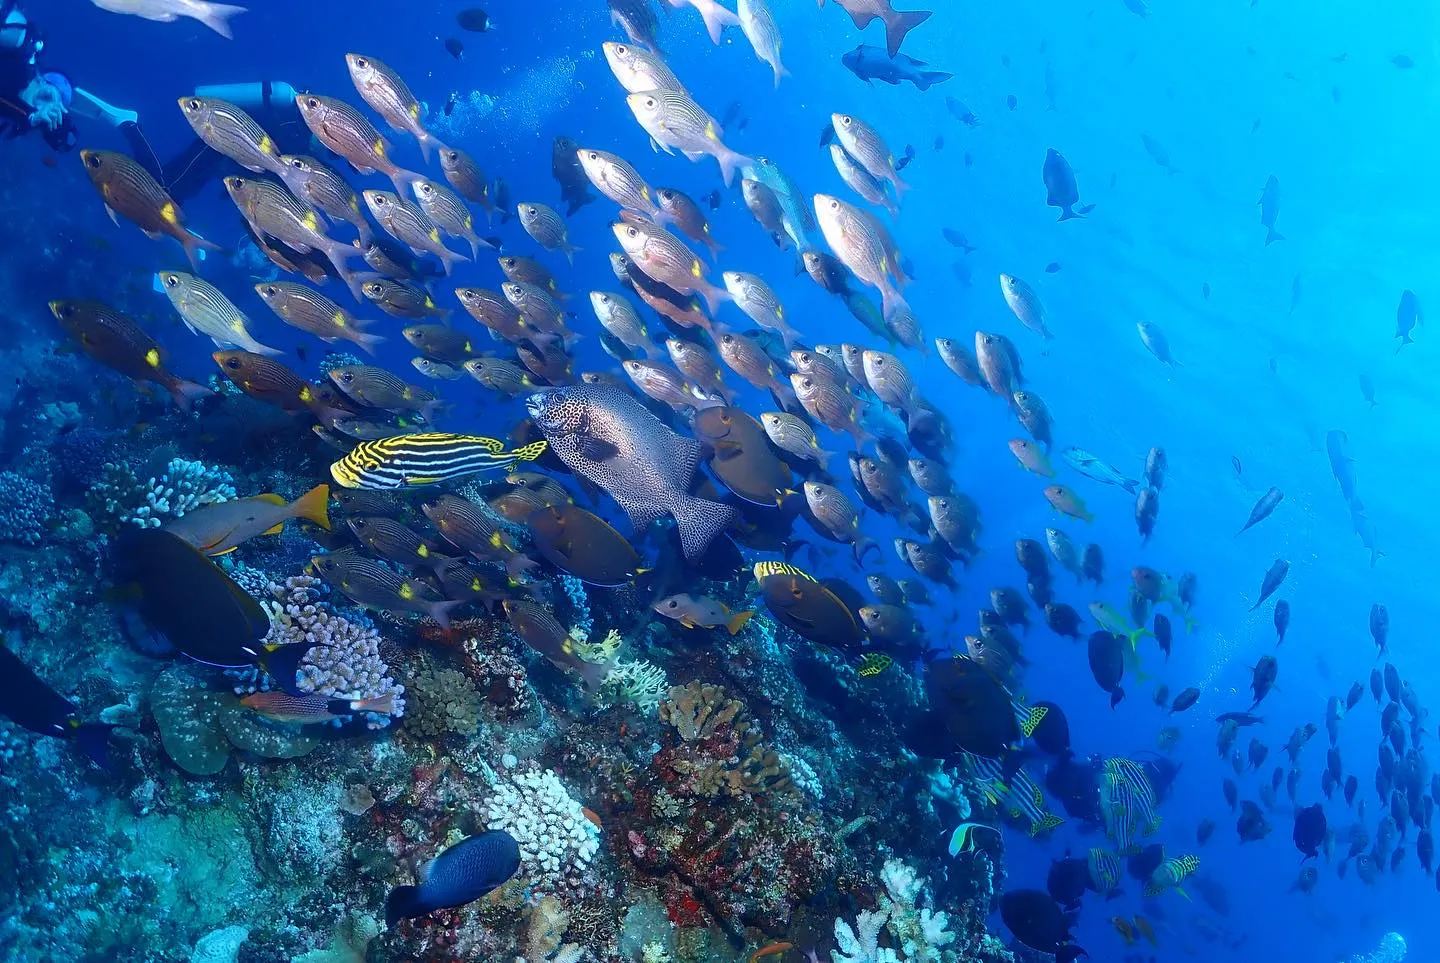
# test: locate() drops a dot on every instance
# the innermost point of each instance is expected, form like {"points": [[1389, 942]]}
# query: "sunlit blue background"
{"points": [[1266, 372]]}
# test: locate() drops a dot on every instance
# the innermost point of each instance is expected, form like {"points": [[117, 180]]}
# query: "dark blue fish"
{"points": [[1270, 209], [961, 112], [27, 701], [1061, 190], [1407, 315], [462, 874], [871, 64]]}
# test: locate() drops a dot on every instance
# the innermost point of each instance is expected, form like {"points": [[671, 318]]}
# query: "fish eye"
{"points": [[846, 120], [93, 160], [621, 49], [632, 231], [361, 62], [593, 155], [270, 290], [347, 377], [233, 364], [192, 104], [672, 604], [311, 102], [171, 280], [834, 205], [649, 101]]}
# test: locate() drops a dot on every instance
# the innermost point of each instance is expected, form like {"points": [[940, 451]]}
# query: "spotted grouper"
{"points": [[605, 435]]}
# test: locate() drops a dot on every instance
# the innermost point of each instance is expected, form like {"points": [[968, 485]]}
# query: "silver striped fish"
{"points": [[345, 130], [618, 180], [230, 131], [409, 225], [413, 461], [321, 186], [382, 88], [676, 122], [205, 310], [446, 209]]}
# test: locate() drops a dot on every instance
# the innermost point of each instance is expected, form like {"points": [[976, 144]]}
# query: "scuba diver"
{"points": [[34, 99]]}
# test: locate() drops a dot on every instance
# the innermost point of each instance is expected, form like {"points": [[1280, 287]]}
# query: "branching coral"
{"points": [[182, 487], [557, 841], [721, 752], [343, 658], [917, 934], [638, 681]]}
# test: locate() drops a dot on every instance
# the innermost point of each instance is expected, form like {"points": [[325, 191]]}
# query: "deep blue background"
{"points": [[1351, 143]]}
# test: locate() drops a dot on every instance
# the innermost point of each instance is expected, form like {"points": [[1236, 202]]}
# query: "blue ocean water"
{"points": [[1272, 339]]}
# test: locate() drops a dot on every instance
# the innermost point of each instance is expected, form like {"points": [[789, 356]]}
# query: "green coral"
{"points": [[198, 728], [440, 701]]}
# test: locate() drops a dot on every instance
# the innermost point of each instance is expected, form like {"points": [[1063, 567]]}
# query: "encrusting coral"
{"points": [[441, 701]]}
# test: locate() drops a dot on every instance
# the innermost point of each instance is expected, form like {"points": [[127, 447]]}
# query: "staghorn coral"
{"points": [[557, 840], [638, 681], [25, 509], [441, 701]]}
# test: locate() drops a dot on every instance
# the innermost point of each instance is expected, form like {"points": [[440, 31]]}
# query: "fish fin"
{"points": [[314, 506], [403, 902], [717, 18], [186, 393], [1182, 892], [596, 449], [737, 621], [367, 342], [700, 521], [1272, 235], [93, 738], [899, 26], [1033, 717]]}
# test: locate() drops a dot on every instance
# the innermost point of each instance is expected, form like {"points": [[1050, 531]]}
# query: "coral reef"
{"points": [[441, 701], [181, 487], [557, 840], [25, 508]]}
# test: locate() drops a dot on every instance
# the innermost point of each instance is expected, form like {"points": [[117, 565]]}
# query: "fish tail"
{"points": [[737, 621], [730, 162], [699, 522], [1116, 696], [216, 16], [899, 25], [405, 180], [195, 246], [1068, 214], [384, 704], [931, 77], [717, 18], [314, 506], [93, 738], [518, 564], [440, 611], [1272, 235], [450, 258], [713, 296], [186, 393], [428, 142], [367, 342], [780, 72]]}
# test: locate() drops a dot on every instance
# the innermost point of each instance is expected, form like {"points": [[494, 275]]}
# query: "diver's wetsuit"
{"points": [[20, 45]]}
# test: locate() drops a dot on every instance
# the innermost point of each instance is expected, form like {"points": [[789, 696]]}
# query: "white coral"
{"points": [[919, 934], [638, 681], [557, 841], [862, 944]]}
